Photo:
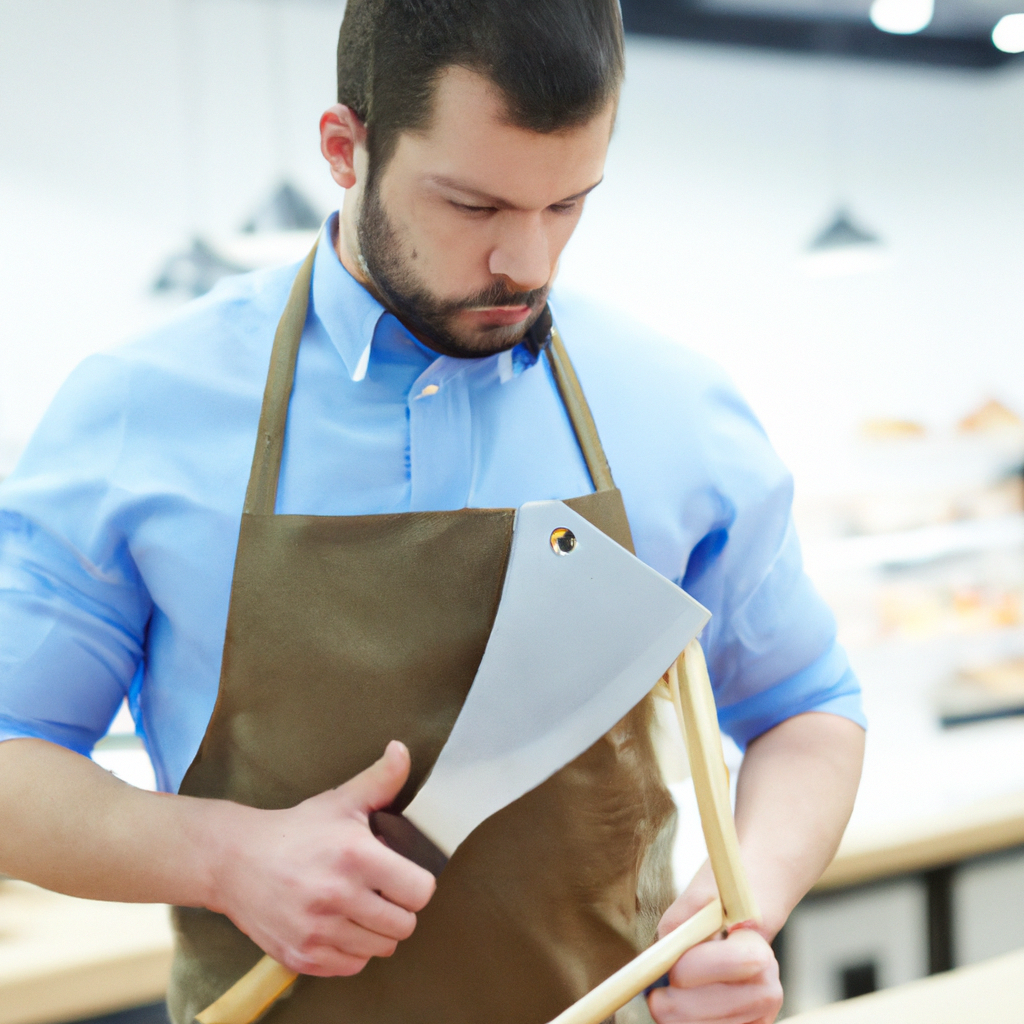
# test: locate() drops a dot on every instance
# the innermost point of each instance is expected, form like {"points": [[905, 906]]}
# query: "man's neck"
{"points": [[346, 246]]}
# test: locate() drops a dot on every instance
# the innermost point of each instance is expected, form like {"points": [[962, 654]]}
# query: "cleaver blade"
{"points": [[583, 632]]}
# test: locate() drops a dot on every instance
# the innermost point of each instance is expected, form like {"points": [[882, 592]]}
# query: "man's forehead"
{"points": [[461, 92], [470, 144], [465, 97]]}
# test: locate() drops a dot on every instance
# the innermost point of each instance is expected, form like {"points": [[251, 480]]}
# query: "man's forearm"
{"points": [[70, 826], [794, 796], [795, 793], [310, 884]]}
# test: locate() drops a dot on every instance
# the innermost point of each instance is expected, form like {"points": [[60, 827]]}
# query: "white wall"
{"points": [[126, 124], [734, 153]]}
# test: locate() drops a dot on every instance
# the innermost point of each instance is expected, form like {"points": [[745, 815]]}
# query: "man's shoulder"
{"points": [[651, 393], [615, 351], [203, 370], [218, 333]]}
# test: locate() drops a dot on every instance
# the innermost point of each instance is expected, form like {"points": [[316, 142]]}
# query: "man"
{"points": [[467, 137]]}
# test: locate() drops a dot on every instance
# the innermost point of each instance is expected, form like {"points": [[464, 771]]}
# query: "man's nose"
{"points": [[522, 254]]}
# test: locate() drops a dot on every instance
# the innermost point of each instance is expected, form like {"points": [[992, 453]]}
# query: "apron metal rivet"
{"points": [[563, 541]]}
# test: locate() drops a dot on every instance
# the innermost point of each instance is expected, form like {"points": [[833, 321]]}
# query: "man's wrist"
{"points": [[772, 886], [214, 834]]}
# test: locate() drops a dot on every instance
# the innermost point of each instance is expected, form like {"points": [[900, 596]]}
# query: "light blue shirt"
{"points": [[119, 525]]}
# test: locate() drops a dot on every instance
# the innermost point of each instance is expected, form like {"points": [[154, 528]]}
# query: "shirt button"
{"points": [[430, 389]]}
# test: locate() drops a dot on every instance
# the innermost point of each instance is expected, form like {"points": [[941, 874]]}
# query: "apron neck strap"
{"points": [[579, 413], [261, 494]]}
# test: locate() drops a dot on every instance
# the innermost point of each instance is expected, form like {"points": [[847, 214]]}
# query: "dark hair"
{"points": [[557, 62]]}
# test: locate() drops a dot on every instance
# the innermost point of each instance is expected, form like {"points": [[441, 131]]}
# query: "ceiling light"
{"points": [[1008, 35], [902, 17]]}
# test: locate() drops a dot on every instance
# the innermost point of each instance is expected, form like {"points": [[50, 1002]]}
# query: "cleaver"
{"points": [[583, 631]]}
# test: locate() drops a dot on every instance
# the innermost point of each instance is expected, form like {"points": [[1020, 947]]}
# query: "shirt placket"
{"points": [[440, 437]]}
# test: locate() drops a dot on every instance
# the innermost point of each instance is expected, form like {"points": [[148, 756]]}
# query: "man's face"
{"points": [[462, 232]]}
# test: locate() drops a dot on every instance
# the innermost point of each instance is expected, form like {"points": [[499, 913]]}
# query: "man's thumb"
{"points": [[378, 785]]}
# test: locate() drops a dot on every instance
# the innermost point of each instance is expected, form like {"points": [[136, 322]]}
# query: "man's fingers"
{"points": [[371, 865], [349, 938], [337, 946], [376, 914], [735, 981], [325, 962], [751, 1003], [741, 957], [397, 879], [378, 785], [410, 890]]}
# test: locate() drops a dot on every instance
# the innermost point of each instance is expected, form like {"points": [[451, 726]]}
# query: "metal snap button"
{"points": [[563, 541]]}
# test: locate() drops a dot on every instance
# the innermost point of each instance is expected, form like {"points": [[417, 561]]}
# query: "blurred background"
{"points": [[823, 195]]}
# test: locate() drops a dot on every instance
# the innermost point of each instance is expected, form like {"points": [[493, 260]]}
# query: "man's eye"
{"points": [[563, 207], [472, 209]]}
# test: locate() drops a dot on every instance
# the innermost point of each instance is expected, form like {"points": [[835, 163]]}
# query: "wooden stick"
{"points": [[695, 706], [614, 992], [251, 995]]}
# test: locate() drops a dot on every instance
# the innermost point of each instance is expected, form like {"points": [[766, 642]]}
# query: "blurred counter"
{"points": [[930, 875], [920, 844], [989, 993], [63, 959]]}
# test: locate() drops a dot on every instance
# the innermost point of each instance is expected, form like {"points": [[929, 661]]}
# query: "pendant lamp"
{"points": [[844, 247], [283, 226], [285, 209], [196, 270]]}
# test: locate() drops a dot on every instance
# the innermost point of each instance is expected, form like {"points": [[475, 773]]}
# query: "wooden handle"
{"points": [[614, 992], [251, 995], [695, 706]]}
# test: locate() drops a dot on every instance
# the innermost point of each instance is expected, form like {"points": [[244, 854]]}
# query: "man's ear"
{"points": [[341, 132]]}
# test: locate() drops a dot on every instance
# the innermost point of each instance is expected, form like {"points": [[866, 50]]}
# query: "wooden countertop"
{"points": [[62, 959], [923, 843], [989, 993]]}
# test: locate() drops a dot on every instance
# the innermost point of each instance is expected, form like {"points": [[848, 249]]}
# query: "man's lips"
{"points": [[498, 316]]}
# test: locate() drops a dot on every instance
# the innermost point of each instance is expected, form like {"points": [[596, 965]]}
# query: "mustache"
{"points": [[499, 294]]}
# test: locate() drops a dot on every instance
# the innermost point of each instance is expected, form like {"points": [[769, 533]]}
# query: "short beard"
{"points": [[431, 319]]}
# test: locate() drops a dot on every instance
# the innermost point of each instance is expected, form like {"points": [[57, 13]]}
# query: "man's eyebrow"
{"points": [[496, 201]]}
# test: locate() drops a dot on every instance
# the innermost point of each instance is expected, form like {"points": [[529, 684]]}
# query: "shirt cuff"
{"points": [[63, 736], [827, 684]]}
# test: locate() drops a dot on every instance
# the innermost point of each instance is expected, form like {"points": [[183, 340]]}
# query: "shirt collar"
{"points": [[351, 315], [348, 312]]}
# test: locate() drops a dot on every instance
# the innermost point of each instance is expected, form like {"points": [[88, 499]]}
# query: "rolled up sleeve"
{"points": [[73, 611], [771, 644], [827, 684]]}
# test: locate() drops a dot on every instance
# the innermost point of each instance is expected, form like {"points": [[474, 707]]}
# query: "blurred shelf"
{"points": [[63, 959], [990, 992], [911, 547]]}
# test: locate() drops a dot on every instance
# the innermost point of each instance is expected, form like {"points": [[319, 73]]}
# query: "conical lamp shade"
{"points": [[842, 232], [286, 209], [844, 248]]}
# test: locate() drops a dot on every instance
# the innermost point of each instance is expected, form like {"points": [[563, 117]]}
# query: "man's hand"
{"points": [[730, 981], [794, 795], [313, 887]]}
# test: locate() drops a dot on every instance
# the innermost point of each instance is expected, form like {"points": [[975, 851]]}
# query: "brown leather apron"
{"points": [[345, 632]]}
